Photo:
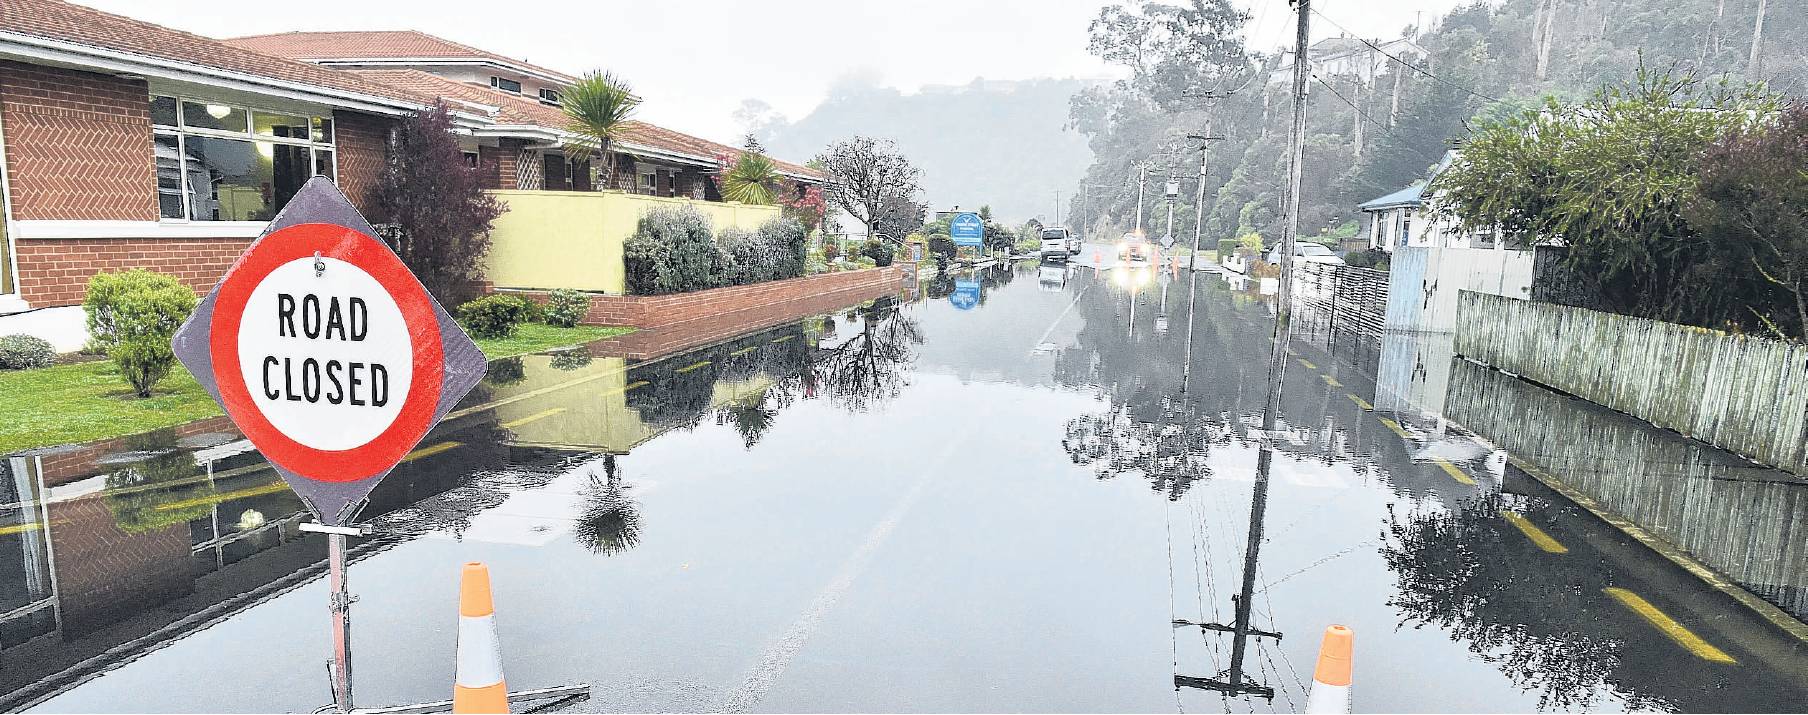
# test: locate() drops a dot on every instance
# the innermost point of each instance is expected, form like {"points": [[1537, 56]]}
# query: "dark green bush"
{"points": [[566, 307], [672, 251], [941, 245], [495, 316], [137, 312], [740, 257], [1226, 248], [877, 250], [1372, 258], [18, 352]]}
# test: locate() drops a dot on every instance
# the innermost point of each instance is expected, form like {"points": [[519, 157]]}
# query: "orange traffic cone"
{"points": [[478, 687], [1331, 680]]}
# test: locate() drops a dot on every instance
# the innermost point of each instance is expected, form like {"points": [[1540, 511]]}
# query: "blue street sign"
{"points": [[967, 230], [965, 295]]}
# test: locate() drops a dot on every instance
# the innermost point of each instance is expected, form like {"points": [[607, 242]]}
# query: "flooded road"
{"points": [[993, 494]]}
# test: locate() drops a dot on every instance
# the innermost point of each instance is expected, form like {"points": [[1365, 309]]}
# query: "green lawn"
{"points": [[89, 401], [535, 337]]}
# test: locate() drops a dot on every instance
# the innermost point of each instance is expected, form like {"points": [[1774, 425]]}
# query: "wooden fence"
{"points": [[1743, 394], [1350, 299]]}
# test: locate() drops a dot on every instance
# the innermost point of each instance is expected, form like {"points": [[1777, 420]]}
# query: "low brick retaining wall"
{"points": [[662, 311]]}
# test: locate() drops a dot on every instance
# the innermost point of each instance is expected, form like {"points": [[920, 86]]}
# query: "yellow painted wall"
{"points": [[573, 239]]}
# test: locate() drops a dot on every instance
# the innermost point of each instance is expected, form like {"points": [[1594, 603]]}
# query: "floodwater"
{"points": [[1003, 491]]}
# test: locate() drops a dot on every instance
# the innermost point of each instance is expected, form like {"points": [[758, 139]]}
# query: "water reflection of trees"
{"points": [[1459, 570], [158, 490], [1172, 452], [854, 366]]}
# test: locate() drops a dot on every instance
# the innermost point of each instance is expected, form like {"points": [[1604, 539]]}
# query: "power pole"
{"points": [[1142, 177], [1296, 159], [1205, 160], [1058, 221]]}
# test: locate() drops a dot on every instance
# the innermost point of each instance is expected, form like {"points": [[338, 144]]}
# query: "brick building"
{"points": [[125, 144]]}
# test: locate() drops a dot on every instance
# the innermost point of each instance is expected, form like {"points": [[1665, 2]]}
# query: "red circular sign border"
{"points": [[357, 248]]}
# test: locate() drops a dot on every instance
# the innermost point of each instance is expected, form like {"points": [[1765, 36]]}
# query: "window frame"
{"points": [[9, 244], [496, 82], [550, 96], [181, 131]]}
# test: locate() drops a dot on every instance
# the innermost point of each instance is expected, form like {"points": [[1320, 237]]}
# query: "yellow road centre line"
{"points": [[1454, 473], [1537, 535], [271, 488], [744, 351], [1668, 626], [1307, 363], [532, 418], [1332, 381], [692, 366], [1395, 426], [783, 339], [1364, 404], [20, 528], [431, 450], [624, 388]]}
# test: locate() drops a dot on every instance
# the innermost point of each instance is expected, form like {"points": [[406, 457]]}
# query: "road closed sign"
{"points": [[327, 352]]}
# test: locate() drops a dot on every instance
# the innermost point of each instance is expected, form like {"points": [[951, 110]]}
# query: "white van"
{"points": [[1058, 243]]}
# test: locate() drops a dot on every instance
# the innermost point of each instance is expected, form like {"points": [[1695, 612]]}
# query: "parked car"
{"points": [[1134, 248], [1057, 242], [1308, 252]]}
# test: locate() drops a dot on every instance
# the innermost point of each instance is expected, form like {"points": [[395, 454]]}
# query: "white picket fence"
{"points": [[1740, 393]]}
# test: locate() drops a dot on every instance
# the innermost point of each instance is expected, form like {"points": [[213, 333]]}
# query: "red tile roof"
{"points": [[54, 20], [516, 109], [374, 44]]}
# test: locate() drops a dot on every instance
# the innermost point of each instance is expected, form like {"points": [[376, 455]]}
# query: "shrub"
{"points": [[878, 251], [1227, 247], [672, 252], [143, 314], [942, 245], [830, 250], [18, 352], [495, 316], [566, 308], [1372, 258], [505, 372], [105, 290], [786, 241]]}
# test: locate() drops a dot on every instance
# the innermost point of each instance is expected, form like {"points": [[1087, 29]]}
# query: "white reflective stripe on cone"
{"points": [[1328, 698], [479, 654]]}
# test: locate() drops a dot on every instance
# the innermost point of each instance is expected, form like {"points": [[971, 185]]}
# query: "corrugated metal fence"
{"points": [[1743, 394]]}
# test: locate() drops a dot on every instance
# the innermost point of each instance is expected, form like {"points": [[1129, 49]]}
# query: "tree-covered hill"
{"points": [[1190, 70]]}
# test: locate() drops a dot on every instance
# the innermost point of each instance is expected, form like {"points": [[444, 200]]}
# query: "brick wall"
{"points": [[660, 311], [78, 144], [652, 343], [55, 271], [501, 164], [362, 141]]}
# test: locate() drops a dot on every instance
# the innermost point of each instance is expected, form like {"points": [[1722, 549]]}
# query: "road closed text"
{"points": [[311, 317]]}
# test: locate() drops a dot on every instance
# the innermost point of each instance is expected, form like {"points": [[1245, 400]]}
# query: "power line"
{"points": [[1402, 62]]}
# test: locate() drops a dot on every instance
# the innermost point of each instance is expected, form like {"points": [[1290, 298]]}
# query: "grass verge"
{"points": [[89, 401]]}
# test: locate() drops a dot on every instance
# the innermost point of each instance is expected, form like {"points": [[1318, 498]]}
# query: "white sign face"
{"points": [[327, 359]]}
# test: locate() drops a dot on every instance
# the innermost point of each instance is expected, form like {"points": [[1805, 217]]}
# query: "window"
{"points": [[649, 179], [549, 95], [471, 159], [506, 85], [1405, 226], [217, 162]]}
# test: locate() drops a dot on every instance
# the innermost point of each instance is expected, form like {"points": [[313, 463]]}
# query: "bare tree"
{"points": [[865, 176]]}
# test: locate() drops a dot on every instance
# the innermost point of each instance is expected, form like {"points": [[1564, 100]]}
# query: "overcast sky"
{"points": [[694, 61]]}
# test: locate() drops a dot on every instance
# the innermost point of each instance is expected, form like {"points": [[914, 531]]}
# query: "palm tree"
{"points": [[752, 180], [598, 108]]}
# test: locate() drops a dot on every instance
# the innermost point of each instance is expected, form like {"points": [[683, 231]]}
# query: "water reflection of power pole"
{"points": [[1205, 147], [1235, 682]]}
